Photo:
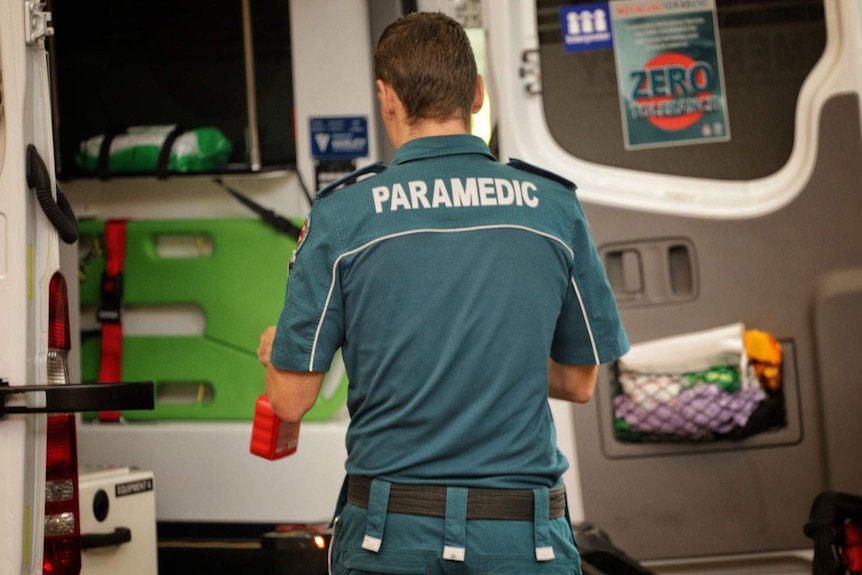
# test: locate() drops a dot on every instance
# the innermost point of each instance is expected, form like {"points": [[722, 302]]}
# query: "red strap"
{"points": [[115, 244], [111, 367]]}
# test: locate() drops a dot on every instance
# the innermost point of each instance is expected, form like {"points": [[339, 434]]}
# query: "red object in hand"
{"points": [[272, 438]]}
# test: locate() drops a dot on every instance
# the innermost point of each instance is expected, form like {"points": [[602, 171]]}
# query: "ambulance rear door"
{"points": [[716, 149]]}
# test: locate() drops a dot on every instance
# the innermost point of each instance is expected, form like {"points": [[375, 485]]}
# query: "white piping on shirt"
{"points": [[586, 321], [446, 231]]}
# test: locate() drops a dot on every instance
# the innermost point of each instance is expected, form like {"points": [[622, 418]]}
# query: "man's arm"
{"points": [[291, 393], [571, 382]]}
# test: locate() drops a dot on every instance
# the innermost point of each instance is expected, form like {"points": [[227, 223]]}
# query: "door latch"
{"points": [[37, 21], [530, 72]]}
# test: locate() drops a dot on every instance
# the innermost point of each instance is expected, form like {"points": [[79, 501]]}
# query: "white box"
{"points": [[118, 521]]}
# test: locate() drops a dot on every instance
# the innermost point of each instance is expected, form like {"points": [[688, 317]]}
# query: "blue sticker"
{"points": [[586, 27], [339, 138]]}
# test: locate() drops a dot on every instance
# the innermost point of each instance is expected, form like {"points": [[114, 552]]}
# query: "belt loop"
{"points": [[378, 502], [541, 525], [455, 524], [340, 502]]}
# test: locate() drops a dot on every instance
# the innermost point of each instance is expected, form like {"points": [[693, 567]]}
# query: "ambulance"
{"points": [[716, 148], [39, 505]]}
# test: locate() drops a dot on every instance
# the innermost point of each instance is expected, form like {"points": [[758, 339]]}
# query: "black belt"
{"points": [[482, 503]]}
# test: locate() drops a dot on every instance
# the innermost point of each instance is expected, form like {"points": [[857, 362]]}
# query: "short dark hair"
{"points": [[428, 60]]}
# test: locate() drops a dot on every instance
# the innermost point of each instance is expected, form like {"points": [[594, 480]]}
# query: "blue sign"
{"points": [[339, 138], [586, 27]]}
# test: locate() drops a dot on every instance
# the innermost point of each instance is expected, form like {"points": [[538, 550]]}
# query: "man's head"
{"points": [[427, 60]]}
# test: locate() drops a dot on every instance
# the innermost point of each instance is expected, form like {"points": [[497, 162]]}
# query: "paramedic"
{"points": [[463, 293]]}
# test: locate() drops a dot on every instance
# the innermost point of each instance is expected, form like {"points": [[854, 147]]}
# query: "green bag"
{"points": [[138, 150]]}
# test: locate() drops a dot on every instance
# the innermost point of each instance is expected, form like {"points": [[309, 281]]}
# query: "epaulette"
{"points": [[522, 165], [350, 178]]}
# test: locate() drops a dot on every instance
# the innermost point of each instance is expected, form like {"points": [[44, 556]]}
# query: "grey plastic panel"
{"points": [[838, 329], [772, 273]]}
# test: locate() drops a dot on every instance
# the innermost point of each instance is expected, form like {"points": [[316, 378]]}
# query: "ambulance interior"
{"points": [[743, 239]]}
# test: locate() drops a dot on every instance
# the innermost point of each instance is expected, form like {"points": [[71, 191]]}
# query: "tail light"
{"points": [[62, 525]]}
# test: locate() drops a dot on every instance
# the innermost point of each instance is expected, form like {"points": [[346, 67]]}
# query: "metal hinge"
{"points": [[530, 71], [36, 21]]}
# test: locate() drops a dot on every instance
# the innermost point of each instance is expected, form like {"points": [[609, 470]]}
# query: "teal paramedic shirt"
{"points": [[447, 280]]}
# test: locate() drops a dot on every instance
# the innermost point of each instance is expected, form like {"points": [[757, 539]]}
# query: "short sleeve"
{"points": [[589, 330], [310, 327]]}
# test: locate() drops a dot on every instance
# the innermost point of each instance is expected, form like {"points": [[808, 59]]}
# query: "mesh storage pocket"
{"points": [[728, 386]]}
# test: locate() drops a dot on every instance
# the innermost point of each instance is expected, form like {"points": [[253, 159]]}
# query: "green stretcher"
{"points": [[238, 282]]}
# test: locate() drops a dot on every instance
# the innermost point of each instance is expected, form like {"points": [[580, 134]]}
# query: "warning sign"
{"points": [[669, 72]]}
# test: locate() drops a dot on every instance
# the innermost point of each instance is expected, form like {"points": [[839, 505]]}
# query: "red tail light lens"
{"points": [[62, 554], [61, 461], [58, 314]]}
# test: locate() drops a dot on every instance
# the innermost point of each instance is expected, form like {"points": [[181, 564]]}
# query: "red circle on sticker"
{"points": [[681, 121]]}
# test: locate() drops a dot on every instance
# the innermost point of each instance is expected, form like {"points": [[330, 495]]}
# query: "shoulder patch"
{"points": [[350, 178], [524, 166], [303, 233]]}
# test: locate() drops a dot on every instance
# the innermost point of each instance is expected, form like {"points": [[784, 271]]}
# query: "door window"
{"points": [[767, 49]]}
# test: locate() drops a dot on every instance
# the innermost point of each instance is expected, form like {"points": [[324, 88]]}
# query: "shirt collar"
{"points": [[439, 146]]}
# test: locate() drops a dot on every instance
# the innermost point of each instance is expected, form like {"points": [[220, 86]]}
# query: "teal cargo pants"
{"points": [[378, 541]]}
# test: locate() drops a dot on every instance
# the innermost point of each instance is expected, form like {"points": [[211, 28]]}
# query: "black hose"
{"points": [[58, 212], [272, 219]]}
